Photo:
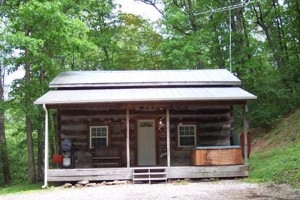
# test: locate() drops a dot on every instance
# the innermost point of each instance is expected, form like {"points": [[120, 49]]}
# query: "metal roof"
{"points": [[144, 78], [143, 95]]}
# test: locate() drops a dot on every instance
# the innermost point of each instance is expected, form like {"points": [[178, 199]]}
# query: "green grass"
{"points": [[278, 160], [20, 188], [279, 165]]}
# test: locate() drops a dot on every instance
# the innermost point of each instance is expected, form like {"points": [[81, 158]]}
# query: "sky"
{"points": [[138, 8]]}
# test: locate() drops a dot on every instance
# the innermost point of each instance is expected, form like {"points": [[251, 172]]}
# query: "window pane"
{"points": [[99, 136], [99, 142], [187, 135], [187, 141]]}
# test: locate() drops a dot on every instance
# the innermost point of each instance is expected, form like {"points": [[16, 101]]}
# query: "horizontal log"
{"points": [[92, 112], [73, 127], [74, 137], [215, 134], [214, 143]]}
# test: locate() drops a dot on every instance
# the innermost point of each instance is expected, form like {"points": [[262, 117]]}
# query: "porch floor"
{"points": [[180, 172]]}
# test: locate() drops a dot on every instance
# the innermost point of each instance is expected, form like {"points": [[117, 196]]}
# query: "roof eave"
{"points": [[143, 84]]}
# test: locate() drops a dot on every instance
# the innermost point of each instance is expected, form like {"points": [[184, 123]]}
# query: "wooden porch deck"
{"points": [[181, 172]]}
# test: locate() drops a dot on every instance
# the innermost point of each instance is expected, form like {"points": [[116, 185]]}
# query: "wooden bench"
{"points": [[107, 157]]}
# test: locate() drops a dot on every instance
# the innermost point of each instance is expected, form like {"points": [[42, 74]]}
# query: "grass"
{"points": [[280, 165], [20, 188], [277, 157]]}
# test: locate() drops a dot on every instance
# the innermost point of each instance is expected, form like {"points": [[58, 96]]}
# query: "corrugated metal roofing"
{"points": [[140, 78], [143, 95]]}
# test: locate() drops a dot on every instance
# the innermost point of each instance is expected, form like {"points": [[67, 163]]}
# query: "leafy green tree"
{"points": [[264, 44], [4, 164], [137, 44], [45, 37]]}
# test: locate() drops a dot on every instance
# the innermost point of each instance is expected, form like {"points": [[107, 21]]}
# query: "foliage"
{"points": [[20, 188], [265, 44], [279, 151]]}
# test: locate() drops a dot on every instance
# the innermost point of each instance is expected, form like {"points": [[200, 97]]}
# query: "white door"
{"points": [[146, 143]]}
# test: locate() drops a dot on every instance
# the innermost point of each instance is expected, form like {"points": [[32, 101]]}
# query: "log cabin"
{"points": [[146, 125]]}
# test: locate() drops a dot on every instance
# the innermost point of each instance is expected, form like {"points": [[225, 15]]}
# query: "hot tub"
{"points": [[217, 155]]}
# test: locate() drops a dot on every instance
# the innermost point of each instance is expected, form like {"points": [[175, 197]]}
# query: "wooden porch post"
{"points": [[246, 127], [168, 138], [127, 138], [46, 162]]}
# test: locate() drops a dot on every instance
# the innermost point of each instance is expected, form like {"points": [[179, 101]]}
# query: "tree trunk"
{"points": [[40, 156], [29, 129], [3, 147], [260, 21]]}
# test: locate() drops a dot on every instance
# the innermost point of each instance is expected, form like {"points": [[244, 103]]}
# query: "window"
{"points": [[98, 136], [186, 135]]}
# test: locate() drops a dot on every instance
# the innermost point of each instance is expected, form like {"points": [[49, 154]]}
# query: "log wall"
{"points": [[214, 128]]}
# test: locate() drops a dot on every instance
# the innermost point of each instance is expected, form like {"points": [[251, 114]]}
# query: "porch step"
{"points": [[149, 175]]}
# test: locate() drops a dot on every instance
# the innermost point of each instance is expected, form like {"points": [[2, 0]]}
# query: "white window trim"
{"points": [[91, 127], [195, 134]]}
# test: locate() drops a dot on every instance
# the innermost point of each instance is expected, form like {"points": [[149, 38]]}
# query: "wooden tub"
{"points": [[217, 155]]}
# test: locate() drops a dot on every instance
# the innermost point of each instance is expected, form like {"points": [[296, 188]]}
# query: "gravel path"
{"points": [[224, 189]]}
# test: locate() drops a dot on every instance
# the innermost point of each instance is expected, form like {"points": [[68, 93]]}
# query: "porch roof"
{"points": [[144, 78], [143, 95]]}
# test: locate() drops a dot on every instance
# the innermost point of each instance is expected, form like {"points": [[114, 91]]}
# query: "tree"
{"points": [[3, 145], [280, 26], [265, 46], [137, 44], [43, 35]]}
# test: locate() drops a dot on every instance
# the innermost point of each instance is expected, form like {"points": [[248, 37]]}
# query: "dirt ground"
{"points": [[178, 190]]}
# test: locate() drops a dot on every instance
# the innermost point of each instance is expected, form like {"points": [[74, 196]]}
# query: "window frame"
{"points": [[91, 137], [179, 136]]}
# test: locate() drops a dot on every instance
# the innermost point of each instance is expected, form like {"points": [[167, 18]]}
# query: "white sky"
{"points": [[138, 8]]}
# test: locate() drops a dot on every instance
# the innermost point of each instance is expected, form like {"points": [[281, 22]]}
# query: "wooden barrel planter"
{"points": [[249, 140]]}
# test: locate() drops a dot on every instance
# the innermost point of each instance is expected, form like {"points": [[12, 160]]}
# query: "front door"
{"points": [[146, 143]]}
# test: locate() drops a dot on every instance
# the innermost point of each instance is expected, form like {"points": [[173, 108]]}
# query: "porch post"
{"points": [[168, 138], [246, 126], [127, 138], [46, 149]]}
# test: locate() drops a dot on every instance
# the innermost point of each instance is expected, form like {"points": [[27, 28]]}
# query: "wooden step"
{"points": [[149, 174], [152, 173]]}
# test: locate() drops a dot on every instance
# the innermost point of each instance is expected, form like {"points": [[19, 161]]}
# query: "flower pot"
{"points": [[57, 158]]}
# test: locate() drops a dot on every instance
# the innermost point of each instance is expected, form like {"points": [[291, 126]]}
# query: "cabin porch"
{"points": [[124, 173]]}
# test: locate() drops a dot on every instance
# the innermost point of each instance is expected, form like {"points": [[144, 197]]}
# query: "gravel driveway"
{"points": [[224, 189]]}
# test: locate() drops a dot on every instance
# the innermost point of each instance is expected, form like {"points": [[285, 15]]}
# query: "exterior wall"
{"points": [[214, 127], [74, 125]]}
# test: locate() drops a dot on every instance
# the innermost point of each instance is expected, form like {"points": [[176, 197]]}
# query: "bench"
{"points": [[107, 157]]}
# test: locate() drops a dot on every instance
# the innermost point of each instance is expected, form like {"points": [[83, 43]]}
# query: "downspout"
{"points": [[46, 149]]}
